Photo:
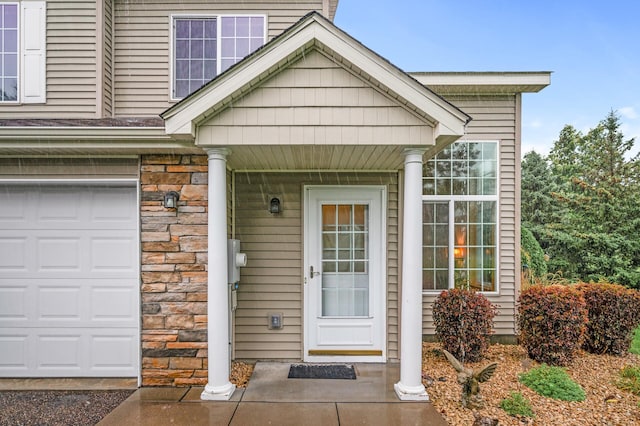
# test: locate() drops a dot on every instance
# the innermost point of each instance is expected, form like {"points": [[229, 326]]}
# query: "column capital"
{"points": [[413, 155], [218, 153]]}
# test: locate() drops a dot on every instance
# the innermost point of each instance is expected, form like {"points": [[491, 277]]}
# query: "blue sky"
{"points": [[592, 48]]}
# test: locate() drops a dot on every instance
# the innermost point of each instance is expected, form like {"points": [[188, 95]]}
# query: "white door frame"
{"points": [[376, 197]]}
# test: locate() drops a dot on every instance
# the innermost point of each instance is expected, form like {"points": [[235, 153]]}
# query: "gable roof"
{"points": [[314, 32]]}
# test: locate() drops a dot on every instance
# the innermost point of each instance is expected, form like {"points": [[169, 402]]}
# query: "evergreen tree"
{"points": [[591, 227]]}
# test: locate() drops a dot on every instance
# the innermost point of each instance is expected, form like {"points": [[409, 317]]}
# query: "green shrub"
{"points": [[552, 321], [614, 312], [464, 322], [517, 405], [553, 382], [635, 342], [629, 379]]}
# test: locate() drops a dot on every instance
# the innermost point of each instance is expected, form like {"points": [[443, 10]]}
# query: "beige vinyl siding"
{"points": [[107, 69], [142, 58], [69, 168], [272, 279], [315, 101], [494, 119], [71, 64]]}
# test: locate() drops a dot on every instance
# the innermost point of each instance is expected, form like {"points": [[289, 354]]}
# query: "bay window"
{"points": [[205, 46], [460, 218]]}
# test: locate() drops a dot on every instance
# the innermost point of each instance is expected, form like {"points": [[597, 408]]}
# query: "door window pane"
{"points": [[345, 260]]}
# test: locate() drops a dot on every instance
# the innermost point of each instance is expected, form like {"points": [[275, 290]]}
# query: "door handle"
{"points": [[312, 273]]}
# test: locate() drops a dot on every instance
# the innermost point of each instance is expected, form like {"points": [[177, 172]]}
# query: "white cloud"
{"points": [[534, 124], [628, 112]]}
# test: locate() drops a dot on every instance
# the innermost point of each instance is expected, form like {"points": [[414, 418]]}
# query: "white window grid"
{"points": [[222, 63], [450, 200], [9, 54]]}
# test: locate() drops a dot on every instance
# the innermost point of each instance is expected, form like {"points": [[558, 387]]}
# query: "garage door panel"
{"points": [[14, 210], [111, 207], [13, 254], [13, 303], [14, 350], [59, 303], [113, 253], [69, 281], [58, 253], [59, 352]]}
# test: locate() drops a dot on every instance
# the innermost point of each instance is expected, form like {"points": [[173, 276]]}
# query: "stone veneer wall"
{"points": [[174, 276]]}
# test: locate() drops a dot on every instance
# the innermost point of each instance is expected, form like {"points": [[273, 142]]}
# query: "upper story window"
{"points": [[8, 52], [460, 218], [205, 46], [23, 52]]}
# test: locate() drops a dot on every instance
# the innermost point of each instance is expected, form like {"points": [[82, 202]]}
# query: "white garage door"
{"points": [[69, 299]]}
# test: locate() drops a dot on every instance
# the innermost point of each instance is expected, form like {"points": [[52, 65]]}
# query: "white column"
{"points": [[218, 387], [410, 387]]}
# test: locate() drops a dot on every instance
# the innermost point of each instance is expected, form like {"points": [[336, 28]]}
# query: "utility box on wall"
{"points": [[236, 260]]}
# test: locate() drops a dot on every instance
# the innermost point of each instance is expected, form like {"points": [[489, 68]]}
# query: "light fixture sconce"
{"points": [[171, 200], [274, 205]]}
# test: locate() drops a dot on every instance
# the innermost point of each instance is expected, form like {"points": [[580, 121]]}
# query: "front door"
{"points": [[345, 273]]}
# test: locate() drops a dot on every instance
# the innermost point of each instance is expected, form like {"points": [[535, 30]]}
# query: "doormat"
{"points": [[322, 371]]}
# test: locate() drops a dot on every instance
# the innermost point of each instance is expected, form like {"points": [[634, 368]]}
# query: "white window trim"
{"points": [[218, 18], [39, 70], [19, 50], [450, 199]]}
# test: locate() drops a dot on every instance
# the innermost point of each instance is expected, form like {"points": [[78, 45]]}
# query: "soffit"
{"points": [[490, 83]]}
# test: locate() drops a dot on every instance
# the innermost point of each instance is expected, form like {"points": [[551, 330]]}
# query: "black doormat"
{"points": [[322, 371]]}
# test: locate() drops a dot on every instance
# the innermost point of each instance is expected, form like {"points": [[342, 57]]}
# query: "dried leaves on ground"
{"points": [[240, 373], [605, 403]]}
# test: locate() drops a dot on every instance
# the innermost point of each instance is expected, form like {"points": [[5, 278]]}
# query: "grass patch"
{"points": [[635, 343], [629, 379], [553, 382], [517, 405]]}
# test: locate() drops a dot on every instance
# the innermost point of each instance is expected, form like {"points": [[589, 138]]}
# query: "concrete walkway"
{"points": [[273, 399]]}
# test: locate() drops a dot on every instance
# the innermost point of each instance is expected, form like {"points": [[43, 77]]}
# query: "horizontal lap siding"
{"points": [[71, 64], [141, 62], [272, 279], [494, 118], [316, 101]]}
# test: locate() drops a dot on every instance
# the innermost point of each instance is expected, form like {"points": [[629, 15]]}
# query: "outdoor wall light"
{"points": [[171, 200], [274, 205]]}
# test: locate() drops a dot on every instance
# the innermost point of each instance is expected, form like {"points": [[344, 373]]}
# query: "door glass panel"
{"points": [[345, 260]]}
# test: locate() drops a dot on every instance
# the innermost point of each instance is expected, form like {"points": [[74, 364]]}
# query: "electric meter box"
{"points": [[236, 260]]}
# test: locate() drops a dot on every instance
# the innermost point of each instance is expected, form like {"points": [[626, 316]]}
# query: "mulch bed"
{"points": [[605, 403]]}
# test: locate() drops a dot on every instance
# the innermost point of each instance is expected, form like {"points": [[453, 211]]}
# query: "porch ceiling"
{"points": [[316, 157]]}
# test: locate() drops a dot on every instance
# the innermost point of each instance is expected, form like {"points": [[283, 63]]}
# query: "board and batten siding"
{"points": [[141, 49], [272, 281], [71, 64], [495, 119]]}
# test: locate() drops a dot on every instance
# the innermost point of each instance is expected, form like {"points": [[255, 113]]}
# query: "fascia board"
{"points": [[83, 133]]}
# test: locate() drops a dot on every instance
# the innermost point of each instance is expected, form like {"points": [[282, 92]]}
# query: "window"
{"points": [[8, 52], [23, 51], [204, 47], [460, 210]]}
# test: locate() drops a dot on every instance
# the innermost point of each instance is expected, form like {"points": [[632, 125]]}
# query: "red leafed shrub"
{"points": [[614, 312], [464, 322], [552, 322]]}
